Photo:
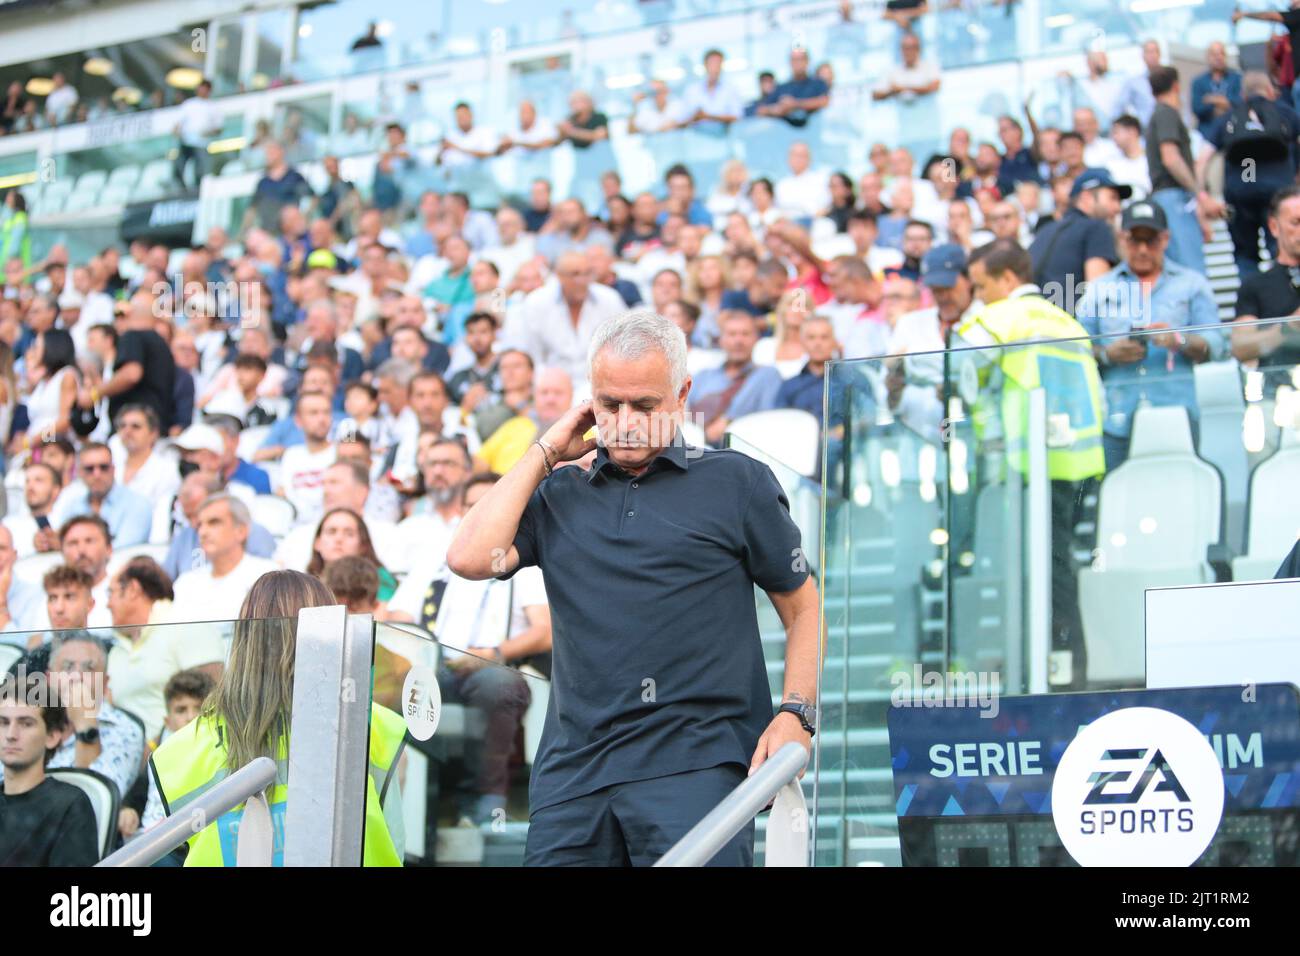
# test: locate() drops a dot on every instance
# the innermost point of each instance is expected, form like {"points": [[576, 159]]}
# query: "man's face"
{"points": [[120, 604], [321, 324], [516, 373], [1004, 221], [340, 490], [1285, 227], [39, 489], [464, 119], [314, 417], [952, 300], [509, 225], [479, 337], [637, 411], [553, 395], [1216, 57], [738, 338], [574, 273], [96, 469], [409, 312], [713, 67], [135, 431], [68, 606], [911, 49], [409, 345], [390, 394], [1107, 204], [799, 63], [645, 210], [219, 535], [681, 189], [1145, 249], [456, 251], [23, 737], [916, 242], [444, 471], [539, 195], [1072, 152], [428, 401], [666, 287], [85, 547], [818, 340], [799, 158]]}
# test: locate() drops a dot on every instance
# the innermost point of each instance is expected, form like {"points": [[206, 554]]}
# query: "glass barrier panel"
{"points": [[128, 689], [463, 789], [996, 515]]}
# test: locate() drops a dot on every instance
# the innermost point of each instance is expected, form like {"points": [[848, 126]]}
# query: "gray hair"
{"points": [[635, 333], [399, 370], [239, 513]]}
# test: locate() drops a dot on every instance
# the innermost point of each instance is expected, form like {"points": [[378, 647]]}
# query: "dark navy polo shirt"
{"points": [[657, 664]]}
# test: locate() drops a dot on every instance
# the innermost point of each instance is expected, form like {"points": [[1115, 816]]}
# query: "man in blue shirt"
{"points": [[1148, 291], [804, 391], [738, 386], [129, 515], [1218, 89], [280, 186], [799, 97]]}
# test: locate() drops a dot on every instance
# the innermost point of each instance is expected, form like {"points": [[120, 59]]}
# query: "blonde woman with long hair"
{"points": [[248, 716], [784, 349], [708, 278]]}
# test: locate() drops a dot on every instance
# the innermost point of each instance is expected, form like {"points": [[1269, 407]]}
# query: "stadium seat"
{"points": [[126, 175], [9, 655], [274, 513], [88, 186], [250, 439], [791, 436], [53, 196], [104, 799], [116, 194], [33, 567], [1273, 521], [156, 180], [1222, 404], [535, 716], [1157, 516]]}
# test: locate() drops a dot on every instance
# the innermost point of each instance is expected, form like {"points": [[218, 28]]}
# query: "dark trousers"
{"points": [[502, 695], [1067, 622], [186, 155], [636, 823], [1249, 217]]}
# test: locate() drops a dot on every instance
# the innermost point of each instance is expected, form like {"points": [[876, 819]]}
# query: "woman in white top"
{"points": [[784, 350], [729, 196], [51, 365]]}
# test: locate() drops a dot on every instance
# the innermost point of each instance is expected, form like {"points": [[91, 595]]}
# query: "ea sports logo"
{"points": [[1137, 787]]}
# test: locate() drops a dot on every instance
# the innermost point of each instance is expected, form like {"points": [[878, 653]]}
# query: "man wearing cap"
{"points": [[1080, 246], [204, 447], [1148, 291]]}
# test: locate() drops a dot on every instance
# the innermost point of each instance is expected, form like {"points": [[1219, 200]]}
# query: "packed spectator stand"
{"points": [[382, 318]]}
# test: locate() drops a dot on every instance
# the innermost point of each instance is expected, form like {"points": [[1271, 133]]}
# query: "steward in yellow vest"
{"points": [[193, 760]]}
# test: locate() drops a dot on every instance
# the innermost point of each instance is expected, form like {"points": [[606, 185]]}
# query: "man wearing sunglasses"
{"points": [[1148, 291], [128, 514]]}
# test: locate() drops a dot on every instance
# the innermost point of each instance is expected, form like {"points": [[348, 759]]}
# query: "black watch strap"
{"points": [[806, 713], [88, 736]]}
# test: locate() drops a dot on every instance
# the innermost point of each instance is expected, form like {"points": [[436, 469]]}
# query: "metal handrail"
{"points": [[157, 841], [777, 778]]}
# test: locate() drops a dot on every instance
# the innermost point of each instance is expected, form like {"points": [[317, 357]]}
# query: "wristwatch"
{"points": [[88, 736], [806, 713]]}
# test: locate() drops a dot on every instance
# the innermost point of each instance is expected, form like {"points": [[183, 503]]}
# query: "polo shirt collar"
{"points": [[674, 454]]}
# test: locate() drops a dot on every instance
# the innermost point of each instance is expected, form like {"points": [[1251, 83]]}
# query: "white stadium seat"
{"points": [[104, 799], [1273, 521], [274, 513], [1157, 516], [33, 567], [791, 436], [1221, 404], [121, 556]]}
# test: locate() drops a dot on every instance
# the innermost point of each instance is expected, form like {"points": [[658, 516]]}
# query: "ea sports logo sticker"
{"points": [[1137, 787], [421, 702]]}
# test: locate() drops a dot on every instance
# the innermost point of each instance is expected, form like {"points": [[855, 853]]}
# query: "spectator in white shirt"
{"points": [[1098, 151], [912, 78], [429, 411], [711, 105], [200, 121], [1100, 89], [31, 529], [514, 246], [465, 144], [561, 317], [1130, 167], [20, 601], [530, 133], [61, 102], [302, 467], [654, 113], [142, 466], [215, 591], [805, 193]]}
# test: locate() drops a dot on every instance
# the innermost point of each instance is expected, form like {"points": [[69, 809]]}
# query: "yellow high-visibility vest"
{"points": [[1066, 371], [193, 760]]}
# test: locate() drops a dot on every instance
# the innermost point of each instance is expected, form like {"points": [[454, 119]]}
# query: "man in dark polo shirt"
{"points": [[660, 704], [1080, 246]]}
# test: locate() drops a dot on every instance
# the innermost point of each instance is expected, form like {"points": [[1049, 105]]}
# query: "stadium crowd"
{"points": [[330, 387]]}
